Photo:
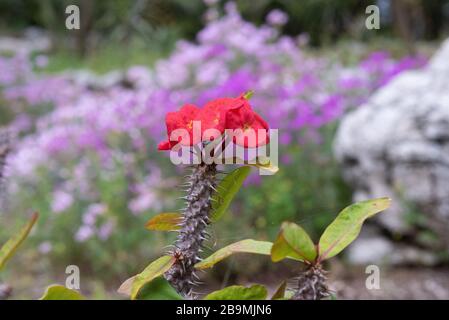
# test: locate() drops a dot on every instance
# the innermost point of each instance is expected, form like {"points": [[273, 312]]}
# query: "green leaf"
{"points": [[133, 285], [158, 289], [346, 227], [280, 291], [255, 292], [260, 163], [248, 94], [226, 191], [58, 292], [265, 164], [165, 222], [244, 246], [281, 249], [8, 249], [293, 241]]}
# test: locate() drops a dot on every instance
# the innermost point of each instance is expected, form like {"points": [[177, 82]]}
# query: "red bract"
{"points": [[182, 119], [220, 114]]}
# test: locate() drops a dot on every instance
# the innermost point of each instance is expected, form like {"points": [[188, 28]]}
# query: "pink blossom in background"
{"points": [[74, 135], [84, 233], [61, 201], [277, 17], [105, 230], [45, 247]]}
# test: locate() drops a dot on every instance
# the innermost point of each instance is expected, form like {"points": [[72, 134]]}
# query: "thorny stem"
{"points": [[196, 217], [311, 284]]}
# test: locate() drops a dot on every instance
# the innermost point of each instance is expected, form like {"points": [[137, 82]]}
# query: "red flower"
{"points": [[182, 119], [251, 129], [219, 114], [214, 113]]}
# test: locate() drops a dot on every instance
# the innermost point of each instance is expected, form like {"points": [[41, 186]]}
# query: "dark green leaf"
{"points": [[293, 241], [255, 292], [158, 289], [226, 191], [58, 292], [133, 285], [346, 227]]}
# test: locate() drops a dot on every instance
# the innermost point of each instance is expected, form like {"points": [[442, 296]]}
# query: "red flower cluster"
{"points": [[215, 117]]}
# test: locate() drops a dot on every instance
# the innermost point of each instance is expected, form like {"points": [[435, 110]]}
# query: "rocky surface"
{"points": [[394, 284], [397, 145]]}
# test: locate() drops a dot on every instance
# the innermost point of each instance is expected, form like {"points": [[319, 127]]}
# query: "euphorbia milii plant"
{"points": [[207, 198]]}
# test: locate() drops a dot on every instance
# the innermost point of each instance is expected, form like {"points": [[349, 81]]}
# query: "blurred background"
{"points": [[361, 113]]}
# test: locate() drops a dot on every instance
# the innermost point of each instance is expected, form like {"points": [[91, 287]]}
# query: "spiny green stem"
{"points": [[196, 217]]}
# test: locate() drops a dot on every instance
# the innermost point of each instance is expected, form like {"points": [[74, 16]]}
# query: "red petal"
{"points": [[183, 119], [253, 139], [164, 145], [214, 114], [240, 118]]}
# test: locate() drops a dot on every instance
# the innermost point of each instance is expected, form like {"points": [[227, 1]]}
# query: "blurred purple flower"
{"points": [[277, 17], [84, 233], [105, 230], [45, 247], [61, 201]]}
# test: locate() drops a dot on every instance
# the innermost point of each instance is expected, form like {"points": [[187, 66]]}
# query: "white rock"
{"points": [[397, 145]]}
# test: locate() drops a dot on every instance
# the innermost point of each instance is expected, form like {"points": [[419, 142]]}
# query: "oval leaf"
{"points": [[281, 249], [244, 246], [158, 289], [58, 292], [346, 227], [294, 242], [226, 191], [8, 249], [255, 292], [165, 222], [157, 268]]}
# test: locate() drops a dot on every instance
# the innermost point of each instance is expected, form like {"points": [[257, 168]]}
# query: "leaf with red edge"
{"points": [[169, 221], [10, 247]]}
